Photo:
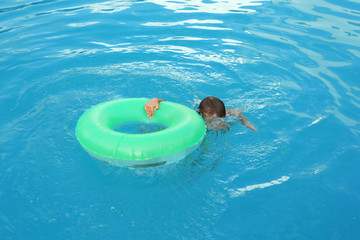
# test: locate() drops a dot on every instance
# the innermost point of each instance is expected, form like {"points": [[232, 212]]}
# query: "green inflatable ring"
{"points": [[184, 133]]}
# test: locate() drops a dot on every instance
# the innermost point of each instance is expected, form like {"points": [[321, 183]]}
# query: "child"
{"points": [[212, 110]]}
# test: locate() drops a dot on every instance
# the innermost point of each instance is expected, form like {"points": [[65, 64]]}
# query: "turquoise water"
{"points": [[291, 65]]}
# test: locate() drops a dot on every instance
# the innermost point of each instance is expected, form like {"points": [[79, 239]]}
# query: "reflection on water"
{"points": [[139, 127], [241, 191], [180, 23], [214, 6], [115, 6]]}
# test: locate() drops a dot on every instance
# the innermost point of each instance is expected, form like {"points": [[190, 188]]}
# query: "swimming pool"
{"points": [[291, 65]]}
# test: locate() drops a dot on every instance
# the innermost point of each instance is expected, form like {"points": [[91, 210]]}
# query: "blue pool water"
{"points": [[292, 66]]}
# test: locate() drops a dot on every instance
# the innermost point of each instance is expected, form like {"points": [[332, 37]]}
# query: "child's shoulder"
{"points": [[236, 112]]}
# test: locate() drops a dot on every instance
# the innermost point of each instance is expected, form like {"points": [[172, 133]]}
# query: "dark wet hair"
{"points": [[212, 105]]}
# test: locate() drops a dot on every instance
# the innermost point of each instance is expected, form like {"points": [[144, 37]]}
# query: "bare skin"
{"points": [[152, 106], [237, 113], [211, 121]]}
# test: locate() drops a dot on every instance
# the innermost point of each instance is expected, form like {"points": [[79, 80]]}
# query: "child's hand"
{"points": [[251, 127], [152, 106]]}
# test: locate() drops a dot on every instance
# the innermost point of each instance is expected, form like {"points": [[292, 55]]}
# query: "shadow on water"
{"points": [[187, 170]]}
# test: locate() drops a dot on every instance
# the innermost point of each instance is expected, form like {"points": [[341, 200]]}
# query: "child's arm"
{"points": [[237, 113], [244, 122], [152, 106]]}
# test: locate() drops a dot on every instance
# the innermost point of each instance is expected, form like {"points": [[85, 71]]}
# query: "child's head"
{"points": [[211, 107]]}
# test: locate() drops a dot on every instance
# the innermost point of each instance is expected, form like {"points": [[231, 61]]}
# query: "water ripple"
{"points": [[291, 66], [241, 191], [213, 7], [19, 7], [333, 19], [180, 23], [82, 24]]}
